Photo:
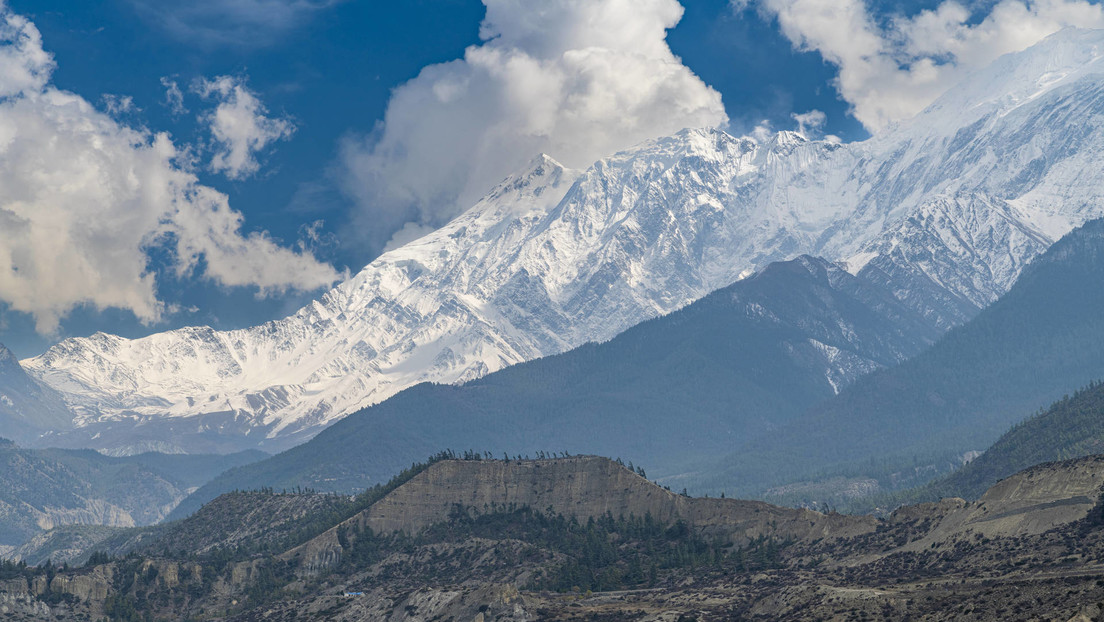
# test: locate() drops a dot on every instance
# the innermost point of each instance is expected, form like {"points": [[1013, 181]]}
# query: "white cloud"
{"points": [[25, 67], [763, 131], [84, 200], [891, 73], [239, 126], [408, 233], [174, 97], [118, 105], [577, 79], [809, 124], [239, 23]]}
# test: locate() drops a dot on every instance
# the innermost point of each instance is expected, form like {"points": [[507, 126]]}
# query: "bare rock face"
{"points": [[581, 487], [1028, 503], [16, 603], [91, 586], [584, 487], [94, 512]]}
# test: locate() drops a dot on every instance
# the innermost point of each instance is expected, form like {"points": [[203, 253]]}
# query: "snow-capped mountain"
{"points": [[26, 406], [946, 209]]}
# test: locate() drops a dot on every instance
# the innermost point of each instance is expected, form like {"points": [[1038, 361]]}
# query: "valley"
{"points": [[465, 538], [42, 489]]}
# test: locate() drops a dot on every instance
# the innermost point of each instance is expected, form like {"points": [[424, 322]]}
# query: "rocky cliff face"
{"points": [[582, 487], [1027, 504], [1030, 502], [18, 603], [40, 491]]}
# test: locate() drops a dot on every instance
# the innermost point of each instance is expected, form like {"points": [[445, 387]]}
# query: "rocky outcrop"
{"points": [[94, 512], [582, 487], [20, 604], [92, 586], [1030, 502]]}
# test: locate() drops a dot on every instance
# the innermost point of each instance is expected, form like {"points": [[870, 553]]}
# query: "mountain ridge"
{"points": [[552, 258], [1042, 339], [726, 368], [26, 405]]}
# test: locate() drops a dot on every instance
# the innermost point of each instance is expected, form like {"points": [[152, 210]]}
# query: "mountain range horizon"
{"points": [[946, 209]]}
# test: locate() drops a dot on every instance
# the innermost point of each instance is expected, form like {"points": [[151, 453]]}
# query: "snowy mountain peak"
{"points": [[945, 210], [531, 182], [543, 161], [6, 356], [26, 407], [785, 141]]}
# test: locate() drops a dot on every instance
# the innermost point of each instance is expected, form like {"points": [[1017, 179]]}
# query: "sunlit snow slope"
{"points": [[945, 209]]}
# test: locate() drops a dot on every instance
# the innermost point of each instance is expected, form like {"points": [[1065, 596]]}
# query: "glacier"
{"points": [[945, 209]]}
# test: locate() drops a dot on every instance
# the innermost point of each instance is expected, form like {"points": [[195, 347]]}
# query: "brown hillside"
{"points": [[582, 487]]}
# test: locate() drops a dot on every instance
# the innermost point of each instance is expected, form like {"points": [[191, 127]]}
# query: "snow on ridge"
{"points": [[552, 258]]}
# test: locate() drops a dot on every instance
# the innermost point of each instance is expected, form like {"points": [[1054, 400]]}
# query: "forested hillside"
{"points": [[1040, 341], [1071, 428]]}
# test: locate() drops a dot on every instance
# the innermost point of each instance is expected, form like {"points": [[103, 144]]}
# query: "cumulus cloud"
{"points": [[85, 199], [891, 72], [230, 22], [576, 79], [239, 126], [25, 67]]}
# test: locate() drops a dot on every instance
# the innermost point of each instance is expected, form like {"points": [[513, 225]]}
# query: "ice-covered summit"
{"points": [[945, 209]]}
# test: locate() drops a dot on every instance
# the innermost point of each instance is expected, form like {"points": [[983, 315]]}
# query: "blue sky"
{"points": [[322, 74]]}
